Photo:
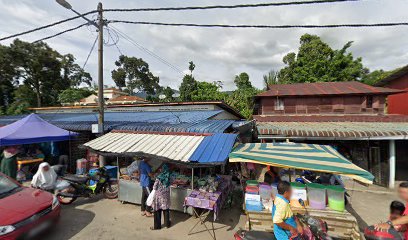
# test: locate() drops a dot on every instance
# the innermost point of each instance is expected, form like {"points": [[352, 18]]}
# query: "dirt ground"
{"points": [[109, 219]]}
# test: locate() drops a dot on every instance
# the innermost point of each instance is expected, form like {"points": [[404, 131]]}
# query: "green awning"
{"points": [[314, 157]]}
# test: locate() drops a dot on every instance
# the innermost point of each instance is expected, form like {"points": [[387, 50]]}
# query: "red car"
{"points": [[25, 212]]}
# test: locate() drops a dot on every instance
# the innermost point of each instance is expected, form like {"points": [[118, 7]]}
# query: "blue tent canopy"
{"points": [[32, 129]]}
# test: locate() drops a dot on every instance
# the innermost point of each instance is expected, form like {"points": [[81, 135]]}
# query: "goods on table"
{"points": [[335, 195], [265, 191], [316, 195], [298, 192], [252, 183], [252, 189], [208, 184], [180, 180]]}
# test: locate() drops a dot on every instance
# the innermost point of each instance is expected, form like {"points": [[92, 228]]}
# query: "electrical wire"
{"points": [[115, 42], [46, 26], [90, 52], [276, 4], [129, 39], [60, 33], [352, 25]]}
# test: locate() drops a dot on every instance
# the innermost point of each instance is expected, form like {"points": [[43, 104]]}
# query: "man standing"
{"points": [[285, 225], [145, 182], [403, 194]]}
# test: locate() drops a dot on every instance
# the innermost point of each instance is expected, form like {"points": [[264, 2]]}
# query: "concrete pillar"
{"points": [[102, 161], [391, 182]]}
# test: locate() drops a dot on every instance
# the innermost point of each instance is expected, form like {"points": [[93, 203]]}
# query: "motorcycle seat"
{"points": [[75, 178]]}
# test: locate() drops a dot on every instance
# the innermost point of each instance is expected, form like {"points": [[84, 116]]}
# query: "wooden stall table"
{"points": [[31, 162], [341, 225]]}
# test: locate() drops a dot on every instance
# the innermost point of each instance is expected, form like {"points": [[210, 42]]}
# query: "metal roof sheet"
{"points": [[337, 130], [213, 149], [325, 88]]}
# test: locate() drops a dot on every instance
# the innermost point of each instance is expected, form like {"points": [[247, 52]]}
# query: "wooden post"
{"points": [[391, 181]]}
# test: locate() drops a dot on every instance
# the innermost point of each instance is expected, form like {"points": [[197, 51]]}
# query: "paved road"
{"points": [[110, 219]]}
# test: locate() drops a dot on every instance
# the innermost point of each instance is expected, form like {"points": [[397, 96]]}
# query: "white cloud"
{"points": [[219, 54]]}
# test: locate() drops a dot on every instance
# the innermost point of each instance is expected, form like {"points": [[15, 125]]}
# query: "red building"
{"points": [[349, 116], [398, 103]]}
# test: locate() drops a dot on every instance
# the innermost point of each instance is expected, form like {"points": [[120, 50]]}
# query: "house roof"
{"points": [[401, 72], [325, 88], [332, 118], [126, 98]]}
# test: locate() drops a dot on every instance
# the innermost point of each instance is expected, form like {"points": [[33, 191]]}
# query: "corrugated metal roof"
{"points": [[214, 148], [325, 88], [338, 130], [206, 126], [184, 148]]}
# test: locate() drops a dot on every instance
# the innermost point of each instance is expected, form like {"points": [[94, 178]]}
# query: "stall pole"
{"points": [[192, 178], [391, 181], [117, 169], [70, 157]]}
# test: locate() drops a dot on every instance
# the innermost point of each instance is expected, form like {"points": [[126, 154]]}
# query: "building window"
{"points": [[369, 102], [279, 105]]}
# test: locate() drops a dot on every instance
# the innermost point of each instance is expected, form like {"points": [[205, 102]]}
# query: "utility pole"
{"points": [[101, 100]]}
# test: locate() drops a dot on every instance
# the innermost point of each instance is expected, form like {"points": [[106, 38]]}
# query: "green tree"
{"points": [[191, 67], [242, 98], [270, 78], [316, 61], [242, 81], [375, 76], [72, 95], [134, 74], [206, 91], [73, 73], [8, 83], [188, 84]]}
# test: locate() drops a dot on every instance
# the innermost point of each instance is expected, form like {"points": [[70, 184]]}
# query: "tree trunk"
{"points": [[37, 92]]}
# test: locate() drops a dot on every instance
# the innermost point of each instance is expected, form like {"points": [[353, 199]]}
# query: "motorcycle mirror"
{"points": [[301, 202]]}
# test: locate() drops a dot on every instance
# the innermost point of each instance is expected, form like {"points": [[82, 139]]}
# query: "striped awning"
{"points": [[314, 157], [202, 149]]}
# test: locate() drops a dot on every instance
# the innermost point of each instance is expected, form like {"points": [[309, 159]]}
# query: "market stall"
{"points": [[187, 153], [326, 202], [31, 130]]}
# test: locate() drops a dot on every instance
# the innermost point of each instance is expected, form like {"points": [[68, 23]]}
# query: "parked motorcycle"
{"points": [[313, 229], [371, 234], [87, 186]]}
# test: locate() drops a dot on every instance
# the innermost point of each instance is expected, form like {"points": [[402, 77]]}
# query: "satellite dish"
{"points": [[162, 96], [176, 95]]}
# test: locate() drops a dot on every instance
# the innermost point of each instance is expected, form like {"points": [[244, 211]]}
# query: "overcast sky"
{"points": [[219, 54]]}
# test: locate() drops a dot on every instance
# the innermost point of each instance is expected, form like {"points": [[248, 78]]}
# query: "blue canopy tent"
{"points": [[32, 129]]}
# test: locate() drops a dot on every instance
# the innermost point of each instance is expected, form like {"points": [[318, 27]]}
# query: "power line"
{"points": [[129, 39], [90, 52], [353, 25], [115, 42], [60, 33], [46, 26], [227, 6]]}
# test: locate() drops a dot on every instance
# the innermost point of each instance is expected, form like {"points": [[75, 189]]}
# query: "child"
{"points": [[397, 209], [285, 225]]}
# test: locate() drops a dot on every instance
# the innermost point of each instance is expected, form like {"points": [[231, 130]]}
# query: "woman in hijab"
{"points": [[161, 202], [8, 164], [45, 178]]}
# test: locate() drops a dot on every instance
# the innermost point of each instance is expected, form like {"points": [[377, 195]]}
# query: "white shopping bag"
{"points": [[150, 198]]}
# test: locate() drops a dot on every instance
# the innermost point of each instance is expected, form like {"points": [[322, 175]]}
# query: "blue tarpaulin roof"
{"points": [[32, 129], [188, 121]]}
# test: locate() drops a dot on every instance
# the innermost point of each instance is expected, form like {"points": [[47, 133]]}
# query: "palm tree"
{"points": [[271, 78]]}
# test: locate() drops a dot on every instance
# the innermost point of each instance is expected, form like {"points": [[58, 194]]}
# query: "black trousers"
{"points": [[157, 218], [145, 194]]}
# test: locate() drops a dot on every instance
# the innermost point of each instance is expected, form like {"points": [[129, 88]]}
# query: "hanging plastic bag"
{"points": [[150, 198]]}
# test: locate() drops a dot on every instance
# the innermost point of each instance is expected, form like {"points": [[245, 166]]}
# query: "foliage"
{"points": [[206, 91], [18, 107], [191, 67], [242, 99], [375, 76], [242, 81], [134, 74], [270, 78], [73, 73], [187, 88], [316, 61], [72, 95]]}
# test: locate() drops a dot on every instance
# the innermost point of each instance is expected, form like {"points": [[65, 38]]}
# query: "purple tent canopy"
{"points": [[32, 129]]}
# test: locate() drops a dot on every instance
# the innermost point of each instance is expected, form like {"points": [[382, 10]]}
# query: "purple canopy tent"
{"points": [[32, 129]]}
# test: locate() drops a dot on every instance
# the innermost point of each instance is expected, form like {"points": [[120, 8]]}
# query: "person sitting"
{"points": [[285, 225], [8, 161], [397, 210], [45, 177], [271, 176]]}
